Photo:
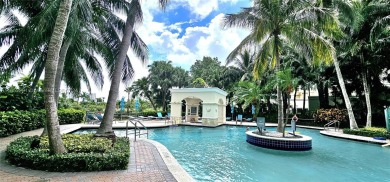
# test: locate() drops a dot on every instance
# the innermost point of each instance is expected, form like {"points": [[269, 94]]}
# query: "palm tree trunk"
{"points": [[304, 101], [60, 68], [368, 101], [152, 103], [295, 98], [55, 140], [278, 89], [106, 125], [128, 102], [287, 112], [352, 121], [36, 80]]}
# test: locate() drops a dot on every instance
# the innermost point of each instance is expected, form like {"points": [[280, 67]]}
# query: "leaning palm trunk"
{"points": [[60, 68], [53, 128], [368, 101], [106, 125], [352, 121]]}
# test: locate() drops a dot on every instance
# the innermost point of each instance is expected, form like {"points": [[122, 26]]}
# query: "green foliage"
{"points": [[210, 70], [151, 113], [17, 98], [249, 93], [326, 115], [22, 152], [369, 132], [13, 122], [80, 143], [70, 116]]}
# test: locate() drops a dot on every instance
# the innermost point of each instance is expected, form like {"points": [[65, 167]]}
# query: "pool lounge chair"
{"points": [[239, 118], [159, 116], [92, 119]]}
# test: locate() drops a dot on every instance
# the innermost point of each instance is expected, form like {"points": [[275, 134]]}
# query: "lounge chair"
{"points": [[92, 119], [99, 116], [159, 116], [228, 118], [239, 118]]}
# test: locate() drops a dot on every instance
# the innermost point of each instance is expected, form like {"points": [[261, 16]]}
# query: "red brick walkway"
{"points": [[145, 165]]}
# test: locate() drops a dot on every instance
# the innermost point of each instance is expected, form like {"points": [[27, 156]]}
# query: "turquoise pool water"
{"points": [[222, 154]]}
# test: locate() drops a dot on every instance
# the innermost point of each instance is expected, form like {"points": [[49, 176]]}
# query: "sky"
{"points": [[185, 32]]}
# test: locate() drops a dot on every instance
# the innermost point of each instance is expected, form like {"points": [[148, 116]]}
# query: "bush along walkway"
{"points": [[145, 164]]}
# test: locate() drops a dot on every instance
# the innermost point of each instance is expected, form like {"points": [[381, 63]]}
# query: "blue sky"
{"points": [[188, 30]]}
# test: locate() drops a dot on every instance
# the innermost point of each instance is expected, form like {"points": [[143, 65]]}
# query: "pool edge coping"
{"points": [[174, 167]]}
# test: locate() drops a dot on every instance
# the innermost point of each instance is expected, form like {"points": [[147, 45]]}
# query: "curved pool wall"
{"points": [[222, 154], [302, 143]]}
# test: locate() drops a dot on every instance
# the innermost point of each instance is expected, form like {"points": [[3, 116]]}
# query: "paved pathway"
{"points": [[146, 164]]}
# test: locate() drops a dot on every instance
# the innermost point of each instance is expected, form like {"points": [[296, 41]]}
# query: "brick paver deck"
{"points": [[145, 164]]}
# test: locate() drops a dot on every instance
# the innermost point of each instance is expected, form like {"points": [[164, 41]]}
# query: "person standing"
{"points": [[293, 123]]}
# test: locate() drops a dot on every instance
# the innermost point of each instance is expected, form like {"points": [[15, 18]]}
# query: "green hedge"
{"points": [[22, 153], [369, 132], [13, 122], [70, 116], [151, 113]]}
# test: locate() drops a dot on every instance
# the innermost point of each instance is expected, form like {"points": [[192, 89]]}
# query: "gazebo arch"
{"points": [[213, 102]]}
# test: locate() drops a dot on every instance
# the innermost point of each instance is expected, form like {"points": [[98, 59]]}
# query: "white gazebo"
{"points": [[213, 105]]}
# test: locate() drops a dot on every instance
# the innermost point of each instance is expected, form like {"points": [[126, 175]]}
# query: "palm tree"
{"points": [[141, 87], [55, 140], [284, 79], [161, 79], [244, 62], [274, 23], [82, 39], [134, 15], [249, 93]]}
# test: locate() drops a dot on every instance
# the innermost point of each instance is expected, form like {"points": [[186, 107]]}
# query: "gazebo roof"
{"points": [[199, 90]]}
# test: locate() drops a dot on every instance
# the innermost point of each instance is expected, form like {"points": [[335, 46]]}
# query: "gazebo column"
{"points": [[176, 112]]}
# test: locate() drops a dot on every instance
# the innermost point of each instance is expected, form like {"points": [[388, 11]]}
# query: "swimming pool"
{"points": [[222, 154]]}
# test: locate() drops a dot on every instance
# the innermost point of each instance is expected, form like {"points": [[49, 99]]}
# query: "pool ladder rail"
{"points": [[137, 129], [336, 124]]}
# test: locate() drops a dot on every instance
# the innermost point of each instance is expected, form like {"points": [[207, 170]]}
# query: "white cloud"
{"points": [[209, 40]]}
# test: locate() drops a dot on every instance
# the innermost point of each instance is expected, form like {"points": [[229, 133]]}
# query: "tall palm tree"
{"points": [[55, 140], [277, 22], [134, 15]]}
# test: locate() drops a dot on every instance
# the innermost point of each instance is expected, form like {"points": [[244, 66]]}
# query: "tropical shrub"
{"points": [[17, 99], [13, 122], [151, 113], [70, 116], [326, 115], [83, 154], [369, 132], [80, 143]]}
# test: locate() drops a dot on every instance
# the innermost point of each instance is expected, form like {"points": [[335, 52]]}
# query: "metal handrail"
{"points": [[136, 128], [335, 122]]}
